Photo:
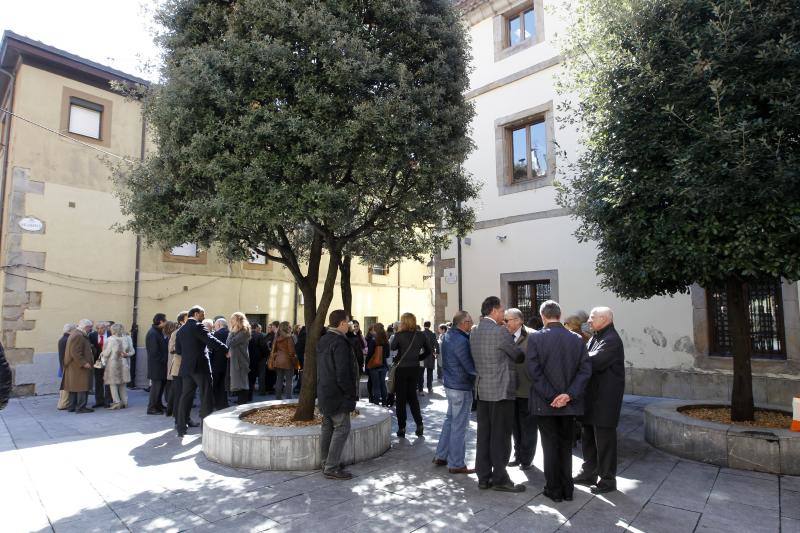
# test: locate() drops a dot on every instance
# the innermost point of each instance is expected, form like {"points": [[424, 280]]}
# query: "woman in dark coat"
{"points": [[377, 365], [412, 347]]}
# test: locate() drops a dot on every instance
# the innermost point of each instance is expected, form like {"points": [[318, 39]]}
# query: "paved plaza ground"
{"points": [[127, 471]]}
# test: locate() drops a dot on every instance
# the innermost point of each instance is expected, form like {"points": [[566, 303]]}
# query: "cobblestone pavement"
{"points": [[127, 471]]}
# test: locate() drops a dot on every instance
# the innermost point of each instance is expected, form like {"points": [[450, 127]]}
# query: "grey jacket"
{"points": [[495, 356], [239, 362]]}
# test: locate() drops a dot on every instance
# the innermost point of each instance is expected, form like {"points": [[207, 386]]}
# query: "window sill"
{"points": [[200, 259], [509, 51], [526, 184]]}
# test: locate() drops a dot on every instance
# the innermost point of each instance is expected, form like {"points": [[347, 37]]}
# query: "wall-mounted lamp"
{"points": [[430, 266]]}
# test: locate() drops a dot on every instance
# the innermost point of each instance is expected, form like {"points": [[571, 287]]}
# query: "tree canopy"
{"points": [[295, 127]]}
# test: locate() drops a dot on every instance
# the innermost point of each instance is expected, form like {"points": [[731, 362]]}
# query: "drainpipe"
{"points": [[460, 283], [138, 260], [398, 291], [7, 136]]}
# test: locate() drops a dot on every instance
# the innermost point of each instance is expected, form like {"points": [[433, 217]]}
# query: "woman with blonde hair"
{"points": [[412, 347], [283, 360], [239, 357], [117, 349]]}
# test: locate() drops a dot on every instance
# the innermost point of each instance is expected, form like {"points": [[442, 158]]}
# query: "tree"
{"points": [[689, 114], [295, 127]]}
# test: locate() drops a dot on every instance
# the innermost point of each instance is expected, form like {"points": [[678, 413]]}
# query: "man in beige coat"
{"points": [[78, 359]]}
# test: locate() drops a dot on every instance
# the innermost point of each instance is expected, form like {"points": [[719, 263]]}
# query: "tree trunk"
{"points": [[344, 282], [739, 327], [315, 316]]}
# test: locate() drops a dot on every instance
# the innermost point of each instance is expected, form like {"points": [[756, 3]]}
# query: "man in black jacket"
{"points": [[191, 343], [219, 365], [337, 392], [156, 346], [559, 367], [603, 403], [5, 379], [97, 339]]}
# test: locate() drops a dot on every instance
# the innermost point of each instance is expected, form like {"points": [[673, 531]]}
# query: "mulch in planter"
{"points": [[282, 416], [764, 418]]}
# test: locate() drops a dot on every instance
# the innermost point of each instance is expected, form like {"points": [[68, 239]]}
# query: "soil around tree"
{"points": [[764, 418], [282, 416]]}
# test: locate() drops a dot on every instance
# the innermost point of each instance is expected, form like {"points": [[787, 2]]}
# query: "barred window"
{"points": [[765, 318], [527, 296]]}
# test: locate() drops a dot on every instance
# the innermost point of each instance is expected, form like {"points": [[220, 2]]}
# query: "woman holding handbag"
{"points": [[412, 347], [283, 360], [377, 353]]}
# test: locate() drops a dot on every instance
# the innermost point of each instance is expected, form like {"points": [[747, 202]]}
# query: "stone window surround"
{"points": [[502, 136], [501, 48], [507, 278], [105, 116], [200, 259], [791, 325]]}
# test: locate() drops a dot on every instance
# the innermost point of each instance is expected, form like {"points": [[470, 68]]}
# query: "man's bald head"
{"points": [[600, 317]]}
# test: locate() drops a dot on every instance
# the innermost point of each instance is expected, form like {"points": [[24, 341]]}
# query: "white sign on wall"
{"points": [[450, 276], [31, 224]]}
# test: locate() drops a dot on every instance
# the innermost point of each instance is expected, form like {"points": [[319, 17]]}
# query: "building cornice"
{"points": [[475, 11]]}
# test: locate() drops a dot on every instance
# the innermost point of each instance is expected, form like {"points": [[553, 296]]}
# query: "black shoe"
{"points": [[98, 406], [553, 496], [181, 434], [483, 485], [401, 433], [193, 424], [585, 480], [514, 463], [167, 413], [84, 410], [525, 467], [339, 473], [568, 498], [439, 462], [602, 488], [154, 412], [146, 389], [420, 430], [509, 487]]}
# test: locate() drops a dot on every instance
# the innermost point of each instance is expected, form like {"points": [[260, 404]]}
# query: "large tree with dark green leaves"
{"points": [[295, 127], [690, 116]]}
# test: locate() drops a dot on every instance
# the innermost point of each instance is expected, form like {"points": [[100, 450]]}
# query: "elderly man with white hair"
{"points": [[78, 367], [603, 403]]}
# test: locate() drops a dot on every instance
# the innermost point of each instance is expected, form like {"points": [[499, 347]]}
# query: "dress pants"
{"points": [[219, 393], [600, 453], [333, 435], [524, 432], [557, 435], [132, 382], [119, 393], [156, 391], [176, 390], [173, 395], [190, 384], [495, 420], [99, 387], [421, 383], [406, 394], [77, 400]]}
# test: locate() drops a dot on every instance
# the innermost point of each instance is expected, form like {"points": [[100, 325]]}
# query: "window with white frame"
{"points": [[85, 118]]}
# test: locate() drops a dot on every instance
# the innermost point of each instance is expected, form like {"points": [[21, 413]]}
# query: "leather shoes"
{"points": [[483, 485], [420, 430], [514, 463], [154, 412], [461, 470], [568, 498], [585, 480], [525, 467], [509, 487], [439, 462], [555, 497], [193, 424], [602, 488], [181, 434], [339, 473], [85, 410]]}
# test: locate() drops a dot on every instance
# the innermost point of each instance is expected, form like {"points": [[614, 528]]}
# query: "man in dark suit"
{"points": [[524, 431], [97, 339], [495, 356], [267, 377], [257, 350], [191, 343], [156, 345], [430, 361], [603, 403], [559, 367], [219, 365]]}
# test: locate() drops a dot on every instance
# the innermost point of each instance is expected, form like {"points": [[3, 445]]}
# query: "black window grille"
{"points": [[765, 317], [527, 296]]}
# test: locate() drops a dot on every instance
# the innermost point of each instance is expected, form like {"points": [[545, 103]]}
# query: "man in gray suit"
{"points": [[524, 430], [495, 356]]}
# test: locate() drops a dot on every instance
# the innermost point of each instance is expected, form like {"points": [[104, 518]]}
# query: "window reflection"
{"points": [[520, 154], [538, 149], [515, 30]]}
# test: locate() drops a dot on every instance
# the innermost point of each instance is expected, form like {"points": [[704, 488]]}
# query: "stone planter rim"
{"points": [[669, 409]]}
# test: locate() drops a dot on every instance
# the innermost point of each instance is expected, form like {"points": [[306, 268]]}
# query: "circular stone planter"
{"points": [[231, 441], [776, 451]]}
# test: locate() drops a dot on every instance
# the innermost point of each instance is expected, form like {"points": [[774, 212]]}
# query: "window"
{"points": [[529, 151], [380, 270], [256, 258], [765, 318], [188, 249], [85, 117], [527, 296], [521, 27]]}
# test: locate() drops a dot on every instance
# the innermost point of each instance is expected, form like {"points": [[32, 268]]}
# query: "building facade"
{"points": [[62, 259], [523, 248]]}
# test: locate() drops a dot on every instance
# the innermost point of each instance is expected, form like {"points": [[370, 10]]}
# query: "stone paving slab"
{"points": [[127, 471]]}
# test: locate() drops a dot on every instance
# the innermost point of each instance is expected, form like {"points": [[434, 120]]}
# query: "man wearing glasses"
{"points": [[524, 428]]}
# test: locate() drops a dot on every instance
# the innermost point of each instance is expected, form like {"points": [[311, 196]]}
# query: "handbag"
{"points": [[376, 361], [396, 363]]}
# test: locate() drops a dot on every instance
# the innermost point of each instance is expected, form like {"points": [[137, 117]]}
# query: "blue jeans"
{"points": [[451, 442], [378, 391]]}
